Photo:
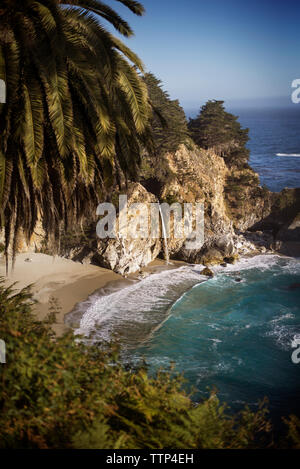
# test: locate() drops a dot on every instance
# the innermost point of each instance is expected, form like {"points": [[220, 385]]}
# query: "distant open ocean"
{"points": [[274, 144]]}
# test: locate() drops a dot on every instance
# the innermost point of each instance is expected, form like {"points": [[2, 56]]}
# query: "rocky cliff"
{"points": [[240, 216]]}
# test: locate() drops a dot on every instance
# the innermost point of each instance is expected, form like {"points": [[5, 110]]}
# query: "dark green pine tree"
{"points": [[169, 124], [216, 129]]}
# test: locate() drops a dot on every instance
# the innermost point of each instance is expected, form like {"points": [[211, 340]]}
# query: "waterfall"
{"points": [[164, 235]]}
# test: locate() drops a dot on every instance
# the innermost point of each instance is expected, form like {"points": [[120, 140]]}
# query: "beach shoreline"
{"points": [[70, 284], [66, 281]]}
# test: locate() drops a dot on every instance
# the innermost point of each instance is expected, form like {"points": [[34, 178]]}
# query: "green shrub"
{"points": [[59, 393], [170, 199]]}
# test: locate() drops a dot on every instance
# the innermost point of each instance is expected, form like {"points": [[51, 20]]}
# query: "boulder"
{"points": [[225, 245], [231, 259], [207, 272], [212, 257], [128, 254]]}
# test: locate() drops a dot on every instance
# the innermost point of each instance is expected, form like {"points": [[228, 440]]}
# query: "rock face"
{"points": [[194, 176], [124, 255], [240, 217], [288, 238], [283, 222], [186, 176], [248, 203], [35, 243], [127, 255]]}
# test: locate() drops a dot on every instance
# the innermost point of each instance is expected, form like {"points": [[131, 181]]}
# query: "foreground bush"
{"points": [[58, 393]]}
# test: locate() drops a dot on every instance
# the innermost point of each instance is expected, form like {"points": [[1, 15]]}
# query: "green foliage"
{"points": [[216, 129], [293, 437], [53, 309], [170, 199], [238, 182], [49, 388], [169, 124], [59, 393]]}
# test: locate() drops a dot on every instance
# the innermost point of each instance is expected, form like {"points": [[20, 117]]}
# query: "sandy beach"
{"points": [[67, 281]]}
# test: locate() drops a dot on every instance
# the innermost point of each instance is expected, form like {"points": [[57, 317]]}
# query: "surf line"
{"points": [[288, 154]]}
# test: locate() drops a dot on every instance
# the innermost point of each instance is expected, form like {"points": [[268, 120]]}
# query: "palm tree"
{"points": [[76, 112]]}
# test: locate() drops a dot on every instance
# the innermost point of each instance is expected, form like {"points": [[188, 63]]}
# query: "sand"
{"points": [[67, 281]]}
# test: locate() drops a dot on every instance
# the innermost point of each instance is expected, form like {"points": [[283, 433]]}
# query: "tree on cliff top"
{"points": [[216, 129], [169, 124]]}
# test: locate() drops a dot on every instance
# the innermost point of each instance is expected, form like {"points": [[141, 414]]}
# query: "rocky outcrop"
{"points": [[282, 223], [192, 175], [207, 272], [124, 255], [129, 254], [189, 175], [287, 239], [35, 243], [248, 203], [240, 217]]}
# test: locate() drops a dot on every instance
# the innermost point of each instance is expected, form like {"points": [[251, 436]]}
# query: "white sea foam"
{"points": [[284, 330], [141, 306], [214, 326], [261, 262], [133, 312], [284, 335], [215, 342], [283, 317], [297, 155]]}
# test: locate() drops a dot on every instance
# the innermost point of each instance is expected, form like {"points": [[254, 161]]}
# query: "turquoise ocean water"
{"points": [[233, 336], [236, 337]]}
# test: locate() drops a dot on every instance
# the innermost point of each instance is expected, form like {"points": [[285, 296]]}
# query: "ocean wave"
{"points": [[284, 335], [283, 317], [261, 262], [296, 155], [135, 311]]}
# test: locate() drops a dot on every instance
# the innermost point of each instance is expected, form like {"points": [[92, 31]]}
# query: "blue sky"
{"points": [[245, 52]]}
